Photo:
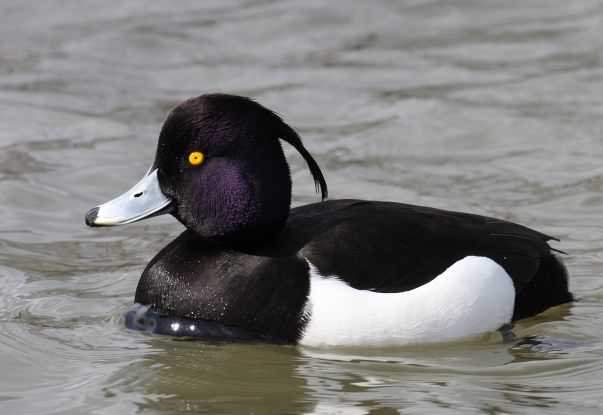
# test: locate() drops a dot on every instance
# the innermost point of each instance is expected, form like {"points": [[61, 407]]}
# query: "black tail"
{"points": [[548, 288]]}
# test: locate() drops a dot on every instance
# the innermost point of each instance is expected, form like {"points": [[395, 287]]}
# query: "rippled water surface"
{"points": [[491, 107]]}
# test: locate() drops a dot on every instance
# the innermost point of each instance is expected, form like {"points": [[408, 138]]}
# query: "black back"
{"points": [[393, 247]]}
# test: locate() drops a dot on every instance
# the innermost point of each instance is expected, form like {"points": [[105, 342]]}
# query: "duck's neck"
{"points": [[248, 238]]}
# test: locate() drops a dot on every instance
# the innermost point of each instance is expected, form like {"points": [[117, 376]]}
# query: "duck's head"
{"points": [[219, 169]]}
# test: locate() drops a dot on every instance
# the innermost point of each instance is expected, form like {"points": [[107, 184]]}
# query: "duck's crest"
{"points": [[289, 135]]}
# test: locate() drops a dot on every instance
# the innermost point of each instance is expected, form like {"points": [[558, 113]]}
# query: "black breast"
{"points": [[263, 294]]}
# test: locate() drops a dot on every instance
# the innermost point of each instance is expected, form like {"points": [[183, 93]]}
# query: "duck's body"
{"points": [[356, 272], [338, 272]]}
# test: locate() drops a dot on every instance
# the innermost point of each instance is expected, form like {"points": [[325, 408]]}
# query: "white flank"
{"points": [[473, 296]]}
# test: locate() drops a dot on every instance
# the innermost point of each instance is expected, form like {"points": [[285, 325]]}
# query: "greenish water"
{"points": [[489, 107]]}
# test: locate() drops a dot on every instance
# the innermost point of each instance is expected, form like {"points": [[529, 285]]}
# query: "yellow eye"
{"points": [[196, 158]]}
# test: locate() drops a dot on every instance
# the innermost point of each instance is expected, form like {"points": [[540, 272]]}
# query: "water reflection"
{"points": [[200, 377]]}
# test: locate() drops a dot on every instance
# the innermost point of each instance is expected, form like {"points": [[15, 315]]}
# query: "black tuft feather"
{"points": [[289, 135]]}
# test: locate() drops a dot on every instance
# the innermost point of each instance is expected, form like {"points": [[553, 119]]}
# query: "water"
{"points": [[486, 107]]}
